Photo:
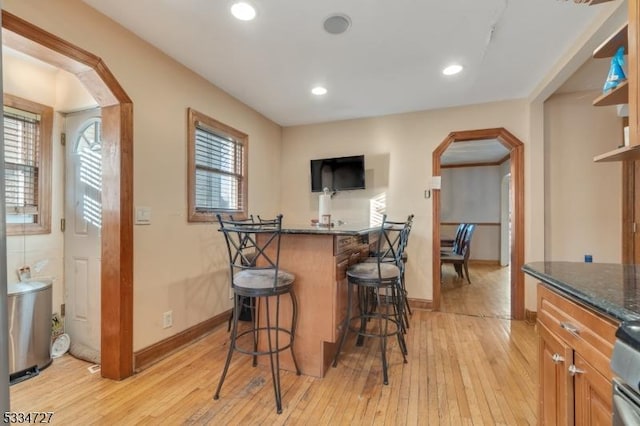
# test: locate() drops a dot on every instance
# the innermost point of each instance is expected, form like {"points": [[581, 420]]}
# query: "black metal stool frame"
{"points": [[260, 278], [370, 280]]}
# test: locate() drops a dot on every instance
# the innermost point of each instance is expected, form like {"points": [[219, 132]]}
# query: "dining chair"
{"points": [[460, 258], [263, 280], [452, 245]]}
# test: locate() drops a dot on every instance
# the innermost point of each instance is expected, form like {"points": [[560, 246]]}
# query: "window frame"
{"points": [[195, 117], [43, 222]]}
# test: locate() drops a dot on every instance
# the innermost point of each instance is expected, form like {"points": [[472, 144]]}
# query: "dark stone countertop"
{"points": [[347, 228], [611, 289]]}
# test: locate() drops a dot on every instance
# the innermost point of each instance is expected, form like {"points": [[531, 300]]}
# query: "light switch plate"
{"points": [[436, 182], [143, 215]]}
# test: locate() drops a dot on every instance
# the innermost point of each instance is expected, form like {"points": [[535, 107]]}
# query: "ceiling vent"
{"points": [[337, 24]]}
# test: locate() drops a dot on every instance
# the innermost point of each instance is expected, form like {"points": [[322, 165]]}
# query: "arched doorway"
{"points": [[516, 155], [117, 177]]}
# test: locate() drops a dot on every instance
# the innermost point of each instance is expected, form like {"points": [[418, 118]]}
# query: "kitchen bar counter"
{"points": [[611, 289], [346, 228], [319, 258]]}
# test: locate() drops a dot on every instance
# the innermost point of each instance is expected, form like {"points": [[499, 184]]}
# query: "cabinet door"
{"points": [[593, 400], [555, 384]]}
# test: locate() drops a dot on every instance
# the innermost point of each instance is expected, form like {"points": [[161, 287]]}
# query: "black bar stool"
{"points": [[261, 279], [392, 250], [378, 285]]}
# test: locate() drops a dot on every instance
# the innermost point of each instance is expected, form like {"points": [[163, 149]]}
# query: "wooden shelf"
{"points": [[609, 47], [625, 153], [619, 95]]}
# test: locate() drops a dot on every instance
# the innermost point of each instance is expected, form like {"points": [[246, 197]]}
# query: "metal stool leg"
{"points": [[232, 344], [294, 321], [275, 364]]}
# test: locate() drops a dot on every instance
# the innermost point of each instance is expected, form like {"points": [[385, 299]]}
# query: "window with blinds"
{"points": [[217, 169], [27, 147], [22, 163]]}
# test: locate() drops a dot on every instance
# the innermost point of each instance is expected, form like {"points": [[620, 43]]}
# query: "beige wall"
{"points": [[583, 199], [177, 266], [398, 154], [43, 253]]}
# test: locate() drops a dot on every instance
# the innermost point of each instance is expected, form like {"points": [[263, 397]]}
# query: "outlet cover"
{"points": [[167, 319]]}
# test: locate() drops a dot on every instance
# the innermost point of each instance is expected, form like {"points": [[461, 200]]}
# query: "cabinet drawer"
{"points": [[585, 331]]}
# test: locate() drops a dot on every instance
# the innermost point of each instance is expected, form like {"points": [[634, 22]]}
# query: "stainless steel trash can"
{"points": [[29, 311]]}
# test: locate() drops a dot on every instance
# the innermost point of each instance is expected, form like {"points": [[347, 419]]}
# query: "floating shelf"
{"points": [[609, 47], [619, 95], [625, 153]]}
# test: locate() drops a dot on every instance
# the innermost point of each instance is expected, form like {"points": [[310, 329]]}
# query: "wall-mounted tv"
{"points": [[337, 174]]}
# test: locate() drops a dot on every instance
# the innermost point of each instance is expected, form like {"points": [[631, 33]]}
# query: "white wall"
{"points": [[28, 79], [178, 266], [472, 195], [398, 155], [583, 199], [33, 80]]}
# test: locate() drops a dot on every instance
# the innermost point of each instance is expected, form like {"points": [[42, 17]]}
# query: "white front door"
{"points": [[83, 215]]}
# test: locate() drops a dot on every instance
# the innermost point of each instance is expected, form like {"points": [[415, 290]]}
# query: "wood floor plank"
{"points": [[463, 368]]}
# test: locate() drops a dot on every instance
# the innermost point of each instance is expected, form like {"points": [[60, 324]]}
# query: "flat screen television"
{"points": [[337, 174]]}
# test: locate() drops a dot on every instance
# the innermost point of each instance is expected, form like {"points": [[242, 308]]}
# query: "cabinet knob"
{"points": [[557, 358], [573, 370]]}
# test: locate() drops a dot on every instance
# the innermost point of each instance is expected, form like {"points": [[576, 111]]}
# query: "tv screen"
{"points": [[337, 174]]}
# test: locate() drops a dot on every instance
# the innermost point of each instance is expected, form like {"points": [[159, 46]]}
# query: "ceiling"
{"points": [[474, 152], [389, 61]]}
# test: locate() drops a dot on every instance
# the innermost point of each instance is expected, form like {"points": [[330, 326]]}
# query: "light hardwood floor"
{"points": [[462, 369], [489, 293]]}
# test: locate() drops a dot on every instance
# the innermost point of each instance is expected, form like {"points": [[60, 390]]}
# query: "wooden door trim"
{"points": [[117, 177], [516, 149]]}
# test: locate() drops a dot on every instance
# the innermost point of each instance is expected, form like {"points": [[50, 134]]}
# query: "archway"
{"points": [[516, 150], [117, 177]]}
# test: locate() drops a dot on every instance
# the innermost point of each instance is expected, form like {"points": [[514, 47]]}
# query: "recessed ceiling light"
{"points": [[337, 24], [243, 11], [452, 69], [319, 91]]}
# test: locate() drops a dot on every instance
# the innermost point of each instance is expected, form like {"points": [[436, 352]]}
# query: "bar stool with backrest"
{"points": [[396, 237], [247, 304], [380, 280], [263, 280]]}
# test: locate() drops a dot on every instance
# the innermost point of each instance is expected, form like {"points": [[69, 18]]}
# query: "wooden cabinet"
{"points": [[319, 263], [575, 346], [626, 92]]}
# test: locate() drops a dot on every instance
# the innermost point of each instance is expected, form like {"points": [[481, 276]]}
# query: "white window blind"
{"points": [[22, 164], [219, 176]]}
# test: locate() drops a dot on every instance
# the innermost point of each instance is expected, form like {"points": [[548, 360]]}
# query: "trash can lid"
{"points": [[27, 287]]}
